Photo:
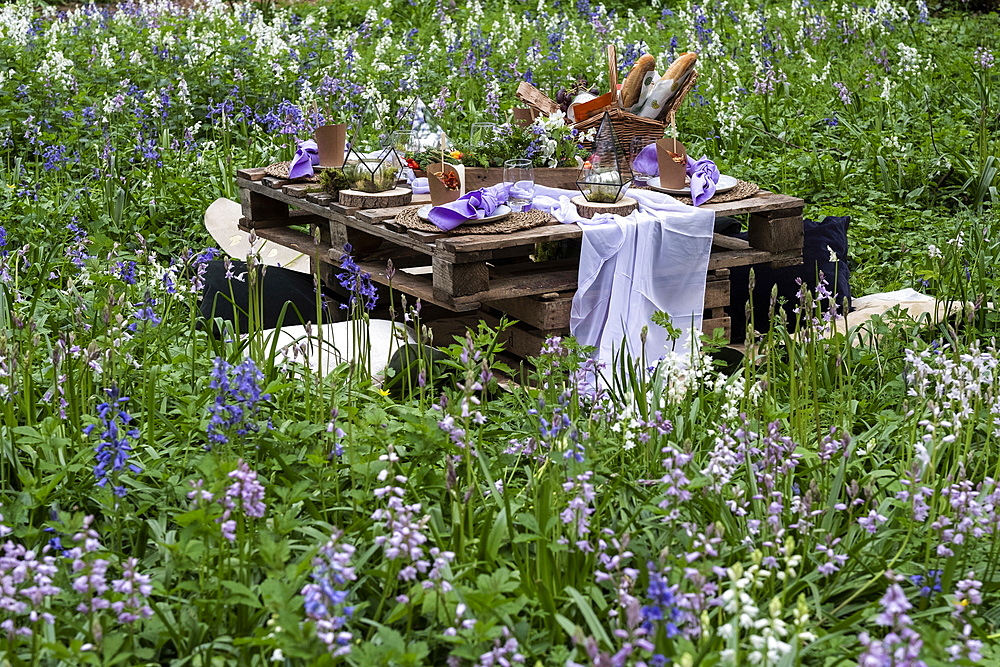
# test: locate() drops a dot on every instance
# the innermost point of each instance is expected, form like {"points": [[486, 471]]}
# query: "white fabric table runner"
{"points": [[630, 267]]}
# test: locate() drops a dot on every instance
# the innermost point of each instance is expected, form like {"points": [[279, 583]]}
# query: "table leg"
{"points": [[776, 231]]}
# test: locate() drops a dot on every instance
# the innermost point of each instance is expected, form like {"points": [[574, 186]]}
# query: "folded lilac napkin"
{"points": [[420, 186], [306, 156], [645, 162], [474, 205], [704, 176]]}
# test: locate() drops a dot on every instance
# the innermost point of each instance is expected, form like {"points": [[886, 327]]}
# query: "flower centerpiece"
{"points": [[555, 148]]}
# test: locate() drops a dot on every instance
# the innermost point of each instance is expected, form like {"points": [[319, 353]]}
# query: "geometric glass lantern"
{"points": [[371, 167], [606, 176], [418, 117]]}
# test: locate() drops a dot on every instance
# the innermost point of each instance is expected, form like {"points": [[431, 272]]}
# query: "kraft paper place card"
{"points": [[671, 156]]}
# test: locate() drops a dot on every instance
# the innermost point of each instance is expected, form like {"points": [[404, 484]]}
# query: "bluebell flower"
{"points": [[929, 585], [236, 403], [357, 282], [662, 608], [126, 271], [113, 451], [145, 313], [325, 596]]}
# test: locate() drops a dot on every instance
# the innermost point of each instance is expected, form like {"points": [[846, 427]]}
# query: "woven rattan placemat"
{"points": [[514, 222], [742, 190], [280, 170]]}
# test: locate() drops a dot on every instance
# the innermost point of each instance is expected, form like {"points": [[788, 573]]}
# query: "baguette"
{"points": [[680, 68], [633, 83]]}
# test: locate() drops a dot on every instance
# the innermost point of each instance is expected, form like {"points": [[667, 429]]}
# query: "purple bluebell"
{"points": [[237, 401], [357, 282], [327, 593], [126, 271], [114, 449]]}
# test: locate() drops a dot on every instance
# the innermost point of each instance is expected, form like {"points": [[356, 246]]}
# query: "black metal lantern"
{"points": [[606, 175]]}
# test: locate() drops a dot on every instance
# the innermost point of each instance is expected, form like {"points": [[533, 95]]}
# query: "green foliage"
{"points": [[551, 521]]}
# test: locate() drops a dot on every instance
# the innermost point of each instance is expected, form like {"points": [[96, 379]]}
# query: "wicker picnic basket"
{"points": [[627, 124]]}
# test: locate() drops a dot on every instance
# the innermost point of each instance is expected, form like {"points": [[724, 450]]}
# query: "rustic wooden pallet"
{"points": [[492, 273]]}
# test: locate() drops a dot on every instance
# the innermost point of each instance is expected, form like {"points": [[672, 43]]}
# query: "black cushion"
{"points": [[289, 297], [820, 238]]}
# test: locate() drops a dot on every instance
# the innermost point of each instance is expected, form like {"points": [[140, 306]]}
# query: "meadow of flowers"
{"points": [[174, 498]]}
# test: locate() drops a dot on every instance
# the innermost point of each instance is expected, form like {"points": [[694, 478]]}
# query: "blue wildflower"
{"points": [[357, 282], [77, 250], [663, 607], [115, 445], [236, 403], [326, 595], [145, 313], [126, 271], [929, 585]]}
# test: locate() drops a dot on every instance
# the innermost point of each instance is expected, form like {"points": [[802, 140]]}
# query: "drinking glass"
{"points": [[641, 173], [404, 141], [519, 175]]}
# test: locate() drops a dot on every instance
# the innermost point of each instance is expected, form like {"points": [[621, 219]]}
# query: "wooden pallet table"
{"points": [[492, 275]]}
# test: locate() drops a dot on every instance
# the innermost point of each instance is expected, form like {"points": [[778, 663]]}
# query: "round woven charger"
{"points": [[514, 222], [742, 190], [280, 170]]}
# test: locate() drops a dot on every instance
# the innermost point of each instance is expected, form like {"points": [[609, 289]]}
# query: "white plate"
{"points": [[500, 213], [725, 184]]}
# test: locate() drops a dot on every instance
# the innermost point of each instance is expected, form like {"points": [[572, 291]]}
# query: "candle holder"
{"points": [[605, 176], [372, 171]]}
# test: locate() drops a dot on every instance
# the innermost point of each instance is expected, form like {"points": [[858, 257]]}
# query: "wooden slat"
{"points": [[762, 201], [538, 312], [294, 239], [535, 98], [724, 242], [551, 232], [776, 234], [458, 280], [254, 174], [299, 190], [716, 293], [515, 286], [321, 198], [294, 218], [729, 258]]}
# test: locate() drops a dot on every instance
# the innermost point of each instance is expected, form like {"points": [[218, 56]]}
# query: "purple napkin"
{"points": [[474, 205], [306, 156], [645, 162], [704, 175]]}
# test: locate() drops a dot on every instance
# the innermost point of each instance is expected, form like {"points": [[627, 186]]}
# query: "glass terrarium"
{"points": [[371, 165], [606, 175], [419, 119]]}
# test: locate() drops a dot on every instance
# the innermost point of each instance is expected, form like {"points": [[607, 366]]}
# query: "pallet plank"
{"points": [[721, 260], [458, 280], [716, 294], [537, 311], [253, 174], [776, 234], [762, 201]]}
